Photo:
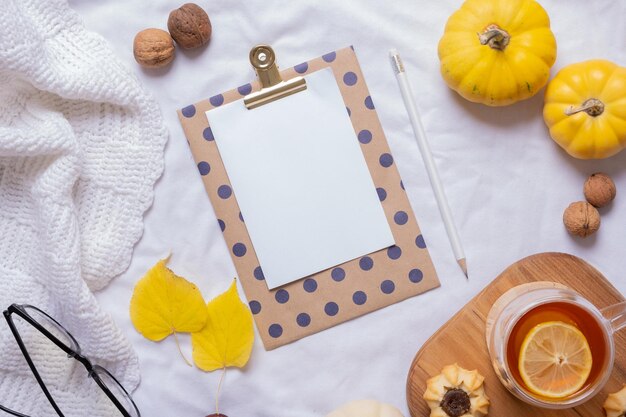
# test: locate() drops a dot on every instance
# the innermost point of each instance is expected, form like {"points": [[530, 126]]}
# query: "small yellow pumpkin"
{"points": [[497, 52], [585, 109], [366, 408]]}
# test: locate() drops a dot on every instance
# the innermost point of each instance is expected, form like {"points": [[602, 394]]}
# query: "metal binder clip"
{"points": [[263, 60]]}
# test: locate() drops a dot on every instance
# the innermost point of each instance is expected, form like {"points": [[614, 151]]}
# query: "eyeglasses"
{"points": [[60, 337]]}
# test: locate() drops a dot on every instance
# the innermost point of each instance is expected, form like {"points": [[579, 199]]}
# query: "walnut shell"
{"points": [[581, 219], [190, 26], [599, 189], [153, 48]]}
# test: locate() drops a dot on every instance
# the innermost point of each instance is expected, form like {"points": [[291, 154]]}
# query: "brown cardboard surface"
{"points": [[351, 289]]}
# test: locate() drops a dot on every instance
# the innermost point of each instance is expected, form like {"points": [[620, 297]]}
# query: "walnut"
{"points": [[153, 48], [599, 189], [581, 219], [190, 26]]}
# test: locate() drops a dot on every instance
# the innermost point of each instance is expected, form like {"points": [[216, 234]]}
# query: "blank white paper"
{"points": [[301, 181]]}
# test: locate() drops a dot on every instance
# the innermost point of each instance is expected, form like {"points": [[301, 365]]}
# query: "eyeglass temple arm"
{"points": [[20, 343], [13, 413]]}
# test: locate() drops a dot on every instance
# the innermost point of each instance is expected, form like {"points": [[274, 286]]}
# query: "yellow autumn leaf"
{"points": [[227, 338], [164, 303]]}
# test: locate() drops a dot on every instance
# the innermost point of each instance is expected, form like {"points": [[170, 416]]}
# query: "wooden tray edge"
{"points": [[560, 255]]}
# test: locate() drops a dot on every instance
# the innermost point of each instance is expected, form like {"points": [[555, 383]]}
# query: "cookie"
{"points": [[456, 392]]}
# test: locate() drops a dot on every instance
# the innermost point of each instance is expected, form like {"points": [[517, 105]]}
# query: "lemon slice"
{"points": [[555, 359]]}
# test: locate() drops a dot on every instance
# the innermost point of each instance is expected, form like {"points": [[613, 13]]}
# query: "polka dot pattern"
{"points": [[350, 78], [189, 111], [382, 194], [401, 217], [331, 309], [365, 136], [275, 330], [217, 100], [338, 274], [359, 298], [387, 286], [301, 68], [394, 252], [282, 296], [356, 287], [258, 273], [366, 263], [239, 249], [386, 160], [207, 134], [204, 167], [303, 319], [415, 275], [255, 307], [245, 89], [309, 285], [329, 57], [224, 191]]}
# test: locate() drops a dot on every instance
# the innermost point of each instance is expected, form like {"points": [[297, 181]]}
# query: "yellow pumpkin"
{"points": [[366, 408], [585, 109], [497, 52]]}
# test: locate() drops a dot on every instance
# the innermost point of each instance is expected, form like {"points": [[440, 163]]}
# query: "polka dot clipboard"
{"points": [[345, 291]]}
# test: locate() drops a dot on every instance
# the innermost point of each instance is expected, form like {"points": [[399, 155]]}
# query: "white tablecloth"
{"points": [[506, 181]]}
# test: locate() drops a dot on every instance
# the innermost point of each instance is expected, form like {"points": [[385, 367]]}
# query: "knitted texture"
{"points": [[81, 146]]}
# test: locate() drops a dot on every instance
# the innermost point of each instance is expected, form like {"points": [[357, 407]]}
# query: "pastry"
{"points": [[366, 408], [615, 404], [456, 392]]}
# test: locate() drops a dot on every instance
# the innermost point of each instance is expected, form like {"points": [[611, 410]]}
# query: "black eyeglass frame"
{"points": [[92, 370]]}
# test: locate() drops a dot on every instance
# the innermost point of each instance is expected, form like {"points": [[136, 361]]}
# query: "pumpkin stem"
{"points": [[495, 37], [593, 107]]}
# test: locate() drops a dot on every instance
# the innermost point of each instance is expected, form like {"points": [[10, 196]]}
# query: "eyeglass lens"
{"points": [[117, 390], [52, 326], [66, 378]]}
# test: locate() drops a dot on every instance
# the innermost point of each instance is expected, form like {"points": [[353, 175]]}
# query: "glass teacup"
{"points": [[519, 305]]}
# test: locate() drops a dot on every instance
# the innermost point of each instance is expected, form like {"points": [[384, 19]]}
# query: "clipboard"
{"points": [[353, 288]]}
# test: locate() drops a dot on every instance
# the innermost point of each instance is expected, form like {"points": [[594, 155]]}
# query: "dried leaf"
{"points": [[164, 303], [227, 338]]}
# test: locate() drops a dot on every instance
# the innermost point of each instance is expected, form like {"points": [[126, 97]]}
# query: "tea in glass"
{"points": [[570, 349], [550, 346]]}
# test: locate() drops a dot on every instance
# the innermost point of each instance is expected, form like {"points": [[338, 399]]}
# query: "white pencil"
{"points": [[427, 156]]}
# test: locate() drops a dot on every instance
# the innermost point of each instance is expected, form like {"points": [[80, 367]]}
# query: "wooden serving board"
{"points": [[462, 339]]}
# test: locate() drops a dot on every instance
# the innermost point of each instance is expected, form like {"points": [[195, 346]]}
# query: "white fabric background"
{"points": [[506, 181], [81, 146]]}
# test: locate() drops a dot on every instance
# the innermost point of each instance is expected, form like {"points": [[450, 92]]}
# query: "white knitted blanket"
{"points": [[81, 146]]}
